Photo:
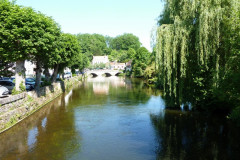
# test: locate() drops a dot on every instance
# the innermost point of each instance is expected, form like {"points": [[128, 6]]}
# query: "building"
{"points": [[29, 66], [100, 59], [30, 69], [116, 65], [129, 65]]}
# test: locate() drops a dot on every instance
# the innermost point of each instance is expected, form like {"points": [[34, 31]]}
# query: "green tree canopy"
{"points": [[125, 42], [197, 52], [25, 35], [140, 62], [93, 44]]}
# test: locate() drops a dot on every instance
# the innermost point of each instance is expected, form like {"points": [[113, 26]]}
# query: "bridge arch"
{"points": [[117, 74], [108, 74], [93, 74]]}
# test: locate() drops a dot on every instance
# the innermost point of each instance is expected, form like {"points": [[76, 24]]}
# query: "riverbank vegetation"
{"points": [[195, 59], [198, 54], [122, 48], [29, 35]]}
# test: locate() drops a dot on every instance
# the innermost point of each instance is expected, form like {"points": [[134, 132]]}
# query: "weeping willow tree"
{"points": [[192, 53]]}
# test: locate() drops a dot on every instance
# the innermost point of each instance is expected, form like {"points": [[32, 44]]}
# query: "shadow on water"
{"points": [[47, 134], [185, 135]]}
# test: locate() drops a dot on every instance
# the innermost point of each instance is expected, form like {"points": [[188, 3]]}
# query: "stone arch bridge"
{"points": [[101, 72]]}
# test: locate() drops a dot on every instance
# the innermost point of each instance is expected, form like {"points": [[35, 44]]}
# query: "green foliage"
{"points": [[140, 62], [93, 44], [150, 73], [15, 92], [128, 73], [122, 56], [98, 66], [123, 47], [125, 42], [22, 87], [235, 115], [29, 98], [45, 83], [29, 35], [197, 58]]}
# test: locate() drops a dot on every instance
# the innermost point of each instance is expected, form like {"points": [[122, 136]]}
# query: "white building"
{"points": [[29, 66], [100, 59], [117, 66]]}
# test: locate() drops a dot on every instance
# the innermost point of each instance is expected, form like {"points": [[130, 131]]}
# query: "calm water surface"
{"points": [[118, 119]]}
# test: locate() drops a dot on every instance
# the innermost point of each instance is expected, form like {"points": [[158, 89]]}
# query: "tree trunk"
{"points": [[55, 73], [38, 75], [46, 73], [19, 74]]}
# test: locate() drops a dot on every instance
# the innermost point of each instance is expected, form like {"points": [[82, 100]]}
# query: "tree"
{"points": [[194, 51], [140, 62], [69, 54], [14, 41], [125, 42], [27, 35], [17, 25], [45, 43], [93, 44]]}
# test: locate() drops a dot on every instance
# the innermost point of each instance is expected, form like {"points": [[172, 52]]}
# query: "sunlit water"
{"points": [[118, 119]]}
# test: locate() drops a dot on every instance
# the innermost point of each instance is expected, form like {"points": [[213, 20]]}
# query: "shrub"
{"points": [[235, 115], [15, 92], [22, 87]]}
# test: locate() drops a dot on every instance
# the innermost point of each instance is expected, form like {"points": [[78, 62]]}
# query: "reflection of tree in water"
{"points": [[59, 139], [84, 95], [125, 91], [136, 93], [48, 134], [189, 136]]}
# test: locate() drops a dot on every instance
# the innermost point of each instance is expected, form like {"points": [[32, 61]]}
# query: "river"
{"points": [[118, 119]]}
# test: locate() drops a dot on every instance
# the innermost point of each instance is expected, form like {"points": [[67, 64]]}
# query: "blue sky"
{"points": [[106, 17]]}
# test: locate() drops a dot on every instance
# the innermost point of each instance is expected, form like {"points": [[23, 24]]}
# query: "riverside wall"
{"points": [[14, 109]]}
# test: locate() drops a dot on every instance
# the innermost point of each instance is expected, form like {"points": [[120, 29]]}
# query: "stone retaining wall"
{"points": [[11, 99], [16, 108]]}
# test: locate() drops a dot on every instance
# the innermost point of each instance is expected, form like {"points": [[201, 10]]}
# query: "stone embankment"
{"points": [[13, 109]]}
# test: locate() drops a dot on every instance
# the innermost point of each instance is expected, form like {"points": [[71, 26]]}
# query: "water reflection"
{"points": [[118, 118], [100, 88], [66, 98], [44, 122], [184, 135], [47, 134], [32, 135]]}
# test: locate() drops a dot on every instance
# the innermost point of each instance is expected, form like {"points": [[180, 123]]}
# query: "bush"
{"points": [[15, 92], [235, 115], [21, 87], [45, 83], [128, 73]]}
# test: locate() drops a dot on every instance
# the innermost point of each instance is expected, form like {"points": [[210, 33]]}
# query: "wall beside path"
{"points": [[14, 109]]}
